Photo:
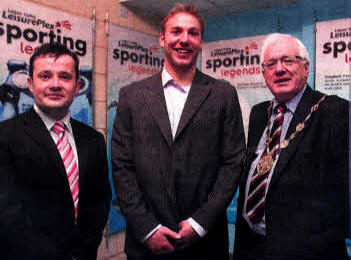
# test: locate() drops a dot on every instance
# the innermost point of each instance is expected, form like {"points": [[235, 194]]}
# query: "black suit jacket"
{"points": [[36, 207], [159, 180], [306, 203]]}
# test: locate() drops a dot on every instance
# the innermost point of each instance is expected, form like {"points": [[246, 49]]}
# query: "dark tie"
{"points": [[69, 161], [257, 190]]}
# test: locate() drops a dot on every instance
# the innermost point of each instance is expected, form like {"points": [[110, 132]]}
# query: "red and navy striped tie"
{"points": [[257, 190]]}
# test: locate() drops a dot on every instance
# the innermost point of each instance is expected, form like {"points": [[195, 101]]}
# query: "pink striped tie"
{"points": [[69, 161]]}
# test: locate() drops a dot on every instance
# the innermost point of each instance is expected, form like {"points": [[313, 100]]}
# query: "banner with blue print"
{"points": [[333, 57], [238, 61], [132, 56], [24, 27]]}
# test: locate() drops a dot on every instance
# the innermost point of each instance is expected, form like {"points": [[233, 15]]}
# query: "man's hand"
{"points": [[162, 241], [188, 236]]}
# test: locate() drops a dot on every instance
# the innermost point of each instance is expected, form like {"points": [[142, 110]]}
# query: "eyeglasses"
{"points": [[287, 61]]}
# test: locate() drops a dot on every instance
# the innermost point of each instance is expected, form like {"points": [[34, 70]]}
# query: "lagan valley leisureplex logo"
{"points": [[339, 45], [230, 58], [16, 31], [140, 59]]}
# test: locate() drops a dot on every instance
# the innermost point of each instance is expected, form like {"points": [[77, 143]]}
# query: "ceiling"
{"points": [[155, 10]]}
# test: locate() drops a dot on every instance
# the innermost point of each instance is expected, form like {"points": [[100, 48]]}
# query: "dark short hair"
{"points": [[180, 8], [56, 50]]}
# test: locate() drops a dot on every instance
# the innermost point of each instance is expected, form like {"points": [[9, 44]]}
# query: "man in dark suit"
{"points": [[294, 192], [177, 149], [54, 186]]}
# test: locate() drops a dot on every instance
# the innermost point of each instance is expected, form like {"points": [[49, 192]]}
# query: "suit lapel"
{"points": [[260, 123], [198, 92], [303, 109], [308, 99], [156, 101], [36, 129], [157, 104]]}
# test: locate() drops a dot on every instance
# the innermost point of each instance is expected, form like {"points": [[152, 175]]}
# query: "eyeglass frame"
{"points": [[264, 67]]}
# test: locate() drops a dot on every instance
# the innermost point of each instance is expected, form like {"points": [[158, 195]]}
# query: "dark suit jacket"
{"points": [[306, 203], [159, 180], [36, 207]]}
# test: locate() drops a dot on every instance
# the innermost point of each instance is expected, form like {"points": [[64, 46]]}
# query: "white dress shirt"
{"points": [[175, 96], [260, 227], [50, 122]]}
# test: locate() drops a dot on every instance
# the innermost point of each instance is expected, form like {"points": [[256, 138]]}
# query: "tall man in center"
{"points": [[177, 149]]}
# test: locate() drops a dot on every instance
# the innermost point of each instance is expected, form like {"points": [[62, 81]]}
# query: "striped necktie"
{"points": [[69, 161], [257, 190]]}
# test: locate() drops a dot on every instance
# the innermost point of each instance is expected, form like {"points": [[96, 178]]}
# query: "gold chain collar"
{"points": [[266, 162]]}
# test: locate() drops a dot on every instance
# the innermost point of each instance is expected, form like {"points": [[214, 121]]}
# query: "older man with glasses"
{"points": [[293, 195]]}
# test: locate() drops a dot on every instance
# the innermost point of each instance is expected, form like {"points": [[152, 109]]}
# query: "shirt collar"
{"points": [[50, 122], [166, 78], [292, 103]]}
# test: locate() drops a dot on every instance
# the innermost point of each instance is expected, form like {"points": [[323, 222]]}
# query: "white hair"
{"points": [[276, 37]]}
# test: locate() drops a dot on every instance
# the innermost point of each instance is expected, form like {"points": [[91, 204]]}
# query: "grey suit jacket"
{"points": [[36, 207], [159, 180]]}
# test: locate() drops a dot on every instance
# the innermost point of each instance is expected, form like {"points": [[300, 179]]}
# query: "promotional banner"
{"points": [[333, 57], [132, 56], [24, 27], [238, 62]]}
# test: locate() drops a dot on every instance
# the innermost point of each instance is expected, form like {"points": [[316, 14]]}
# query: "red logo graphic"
{"points": [[252, 45], [154, 48], [64, 24]]}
